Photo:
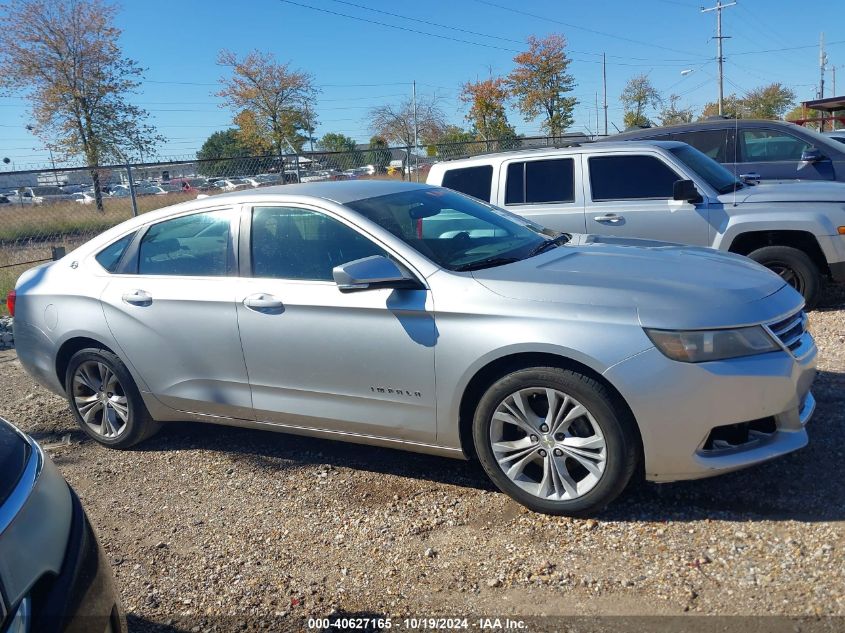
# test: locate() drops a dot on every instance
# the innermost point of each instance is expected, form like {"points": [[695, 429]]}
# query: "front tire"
{"points": [[105, 400], [795, 267], [555, 441]]}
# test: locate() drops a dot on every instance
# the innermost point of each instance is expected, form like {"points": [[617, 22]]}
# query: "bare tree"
{"points": [[395, 123], [64, 56], [278, 96]]}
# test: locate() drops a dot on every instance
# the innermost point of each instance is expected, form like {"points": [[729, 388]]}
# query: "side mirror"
{"points": [[685, 190], [373, 272], [809, 156]]}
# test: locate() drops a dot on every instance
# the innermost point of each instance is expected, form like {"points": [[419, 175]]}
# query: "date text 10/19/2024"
{"points": [[352, 623]]}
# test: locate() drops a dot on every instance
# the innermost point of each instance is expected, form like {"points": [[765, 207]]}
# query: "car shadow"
{"points": [[803, 486]]}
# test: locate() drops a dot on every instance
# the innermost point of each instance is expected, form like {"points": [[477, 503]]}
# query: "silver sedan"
{"points": [[414, 317]]}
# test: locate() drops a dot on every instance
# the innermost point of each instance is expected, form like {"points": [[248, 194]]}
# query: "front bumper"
{"points": [[678, 405]]}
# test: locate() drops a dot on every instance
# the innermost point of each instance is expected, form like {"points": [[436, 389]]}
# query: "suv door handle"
{"points": [[138, 298], [264, 303], [609, 217]]}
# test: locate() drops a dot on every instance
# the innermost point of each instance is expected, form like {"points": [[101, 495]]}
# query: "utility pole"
{"points": [[719, 37], [822, 64], [416, 141], [604, 88]]}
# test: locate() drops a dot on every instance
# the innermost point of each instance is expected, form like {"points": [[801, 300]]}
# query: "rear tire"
{"points": [[526, 427], [105, 400], [795, 267]]}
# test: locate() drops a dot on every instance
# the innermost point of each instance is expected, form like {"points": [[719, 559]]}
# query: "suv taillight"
{"points": [[10, 302]]}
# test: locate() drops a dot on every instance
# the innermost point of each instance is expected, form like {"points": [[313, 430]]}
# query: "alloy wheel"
{"points": [[548, 444], [100, 400]]}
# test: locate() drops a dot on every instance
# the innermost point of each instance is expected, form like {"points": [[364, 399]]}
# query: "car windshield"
{"points": [[713, 173], [454, 231]]}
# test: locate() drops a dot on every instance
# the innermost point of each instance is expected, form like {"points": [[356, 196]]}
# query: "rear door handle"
{"points": [[138, 298], [264, 303], [609, 217]]}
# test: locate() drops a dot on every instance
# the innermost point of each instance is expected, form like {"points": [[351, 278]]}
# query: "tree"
{"points": [[672, 113], [637, 96], [768, 102], [335, 142], [345, 148], [277, 95], [732, 107], [64, 55], [798, 112], [486, 100], [395, 123], [379, 154], [540, 82], [217, 148], [250, 137]]}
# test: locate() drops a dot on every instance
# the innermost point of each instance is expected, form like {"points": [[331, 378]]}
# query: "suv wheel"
{"points": [[105, 401], [555, 441], [795, 267]]}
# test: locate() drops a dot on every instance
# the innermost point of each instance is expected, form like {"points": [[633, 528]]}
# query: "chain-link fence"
{"points": [[47, 212]]}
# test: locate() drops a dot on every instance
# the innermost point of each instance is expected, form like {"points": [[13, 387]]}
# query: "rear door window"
{"points": [[473, 181], [713, 143], [540, 182], [110, 256], [198, 245], [630, 178]]}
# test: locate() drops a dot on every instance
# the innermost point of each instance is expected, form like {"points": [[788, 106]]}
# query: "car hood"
{"points": [[789, 191], [668, 285]]}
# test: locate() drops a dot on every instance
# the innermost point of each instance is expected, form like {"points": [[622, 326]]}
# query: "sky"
{"points": [[364, 53]]}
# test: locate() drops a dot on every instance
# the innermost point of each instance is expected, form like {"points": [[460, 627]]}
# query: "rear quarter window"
{"points": [[473, 181], [110, 256]]}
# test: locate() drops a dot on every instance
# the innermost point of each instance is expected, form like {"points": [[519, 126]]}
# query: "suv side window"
{"points": [[630, 178], [197, 245], [473, 181], [770, 145], [540, 181], [714, 143], [293, 243]]}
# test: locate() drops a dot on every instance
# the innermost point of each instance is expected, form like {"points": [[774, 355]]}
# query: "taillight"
{"points": [[10, 302]]}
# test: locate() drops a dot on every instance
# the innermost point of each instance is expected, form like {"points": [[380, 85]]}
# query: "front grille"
{"points": [[790, 330]]}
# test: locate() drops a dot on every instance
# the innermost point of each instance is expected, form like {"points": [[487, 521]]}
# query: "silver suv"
{"points": [[666, 190], [418, 318]]}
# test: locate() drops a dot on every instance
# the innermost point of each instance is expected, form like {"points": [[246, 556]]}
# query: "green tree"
{"points": [[768, 102], [540, 82], [637, 97], [220, 145], [454, 141], [278, 96], [378, 154], [344, 150], [65, 57], [732, 107], [798, 112], [672, 113]]}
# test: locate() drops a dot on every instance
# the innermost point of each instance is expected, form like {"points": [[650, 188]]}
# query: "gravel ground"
{"points": [[204, 521]]}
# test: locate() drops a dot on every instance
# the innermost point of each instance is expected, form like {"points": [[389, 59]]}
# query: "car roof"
{"points": [[621, 146], [708, 124], [339, 191]]}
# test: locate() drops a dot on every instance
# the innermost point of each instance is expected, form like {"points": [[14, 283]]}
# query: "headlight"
{"points": [[20, 621], [698, 346]]}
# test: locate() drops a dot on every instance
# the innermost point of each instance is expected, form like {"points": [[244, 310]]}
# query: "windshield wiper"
{"points": [[490, 262], [735, 186], [563, 238]]}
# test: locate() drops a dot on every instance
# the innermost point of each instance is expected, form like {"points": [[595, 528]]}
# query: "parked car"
{"points": [[43, 194], [836, 135], [54, 575], [563, 362], [83, 198], [231, 184], [666, 190], [756, 149], [120, 191], [150, 190]]}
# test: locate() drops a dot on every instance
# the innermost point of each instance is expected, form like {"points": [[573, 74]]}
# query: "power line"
{"points": [[588, 30]]}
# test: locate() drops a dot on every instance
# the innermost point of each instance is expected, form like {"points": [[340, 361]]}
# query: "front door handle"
{"points": [[609, 217], [264, 303], [138, 298]]}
